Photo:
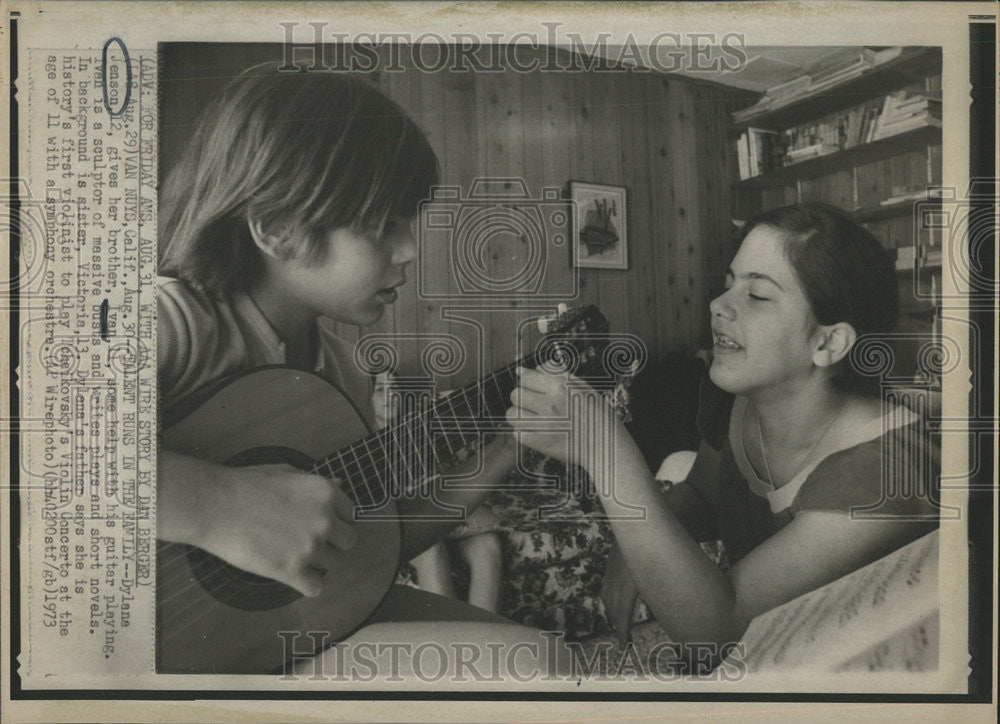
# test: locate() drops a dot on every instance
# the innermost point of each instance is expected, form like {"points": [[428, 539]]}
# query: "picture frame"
{"points": [[599, 225]]}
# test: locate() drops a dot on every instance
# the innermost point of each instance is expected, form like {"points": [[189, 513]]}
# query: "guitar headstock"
{"points": [[574, 320], [575, 340]]}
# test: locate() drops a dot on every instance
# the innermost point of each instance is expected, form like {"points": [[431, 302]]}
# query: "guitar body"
{"points": [[215, 618]]}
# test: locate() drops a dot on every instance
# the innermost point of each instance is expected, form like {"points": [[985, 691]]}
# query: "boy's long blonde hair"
{"points": [[301, 153]]}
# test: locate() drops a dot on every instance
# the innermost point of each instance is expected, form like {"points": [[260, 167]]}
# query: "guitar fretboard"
{"points": [[391, 461]]}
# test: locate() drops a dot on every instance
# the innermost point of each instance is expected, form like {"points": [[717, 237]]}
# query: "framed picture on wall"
{"points": [[600, 226]]}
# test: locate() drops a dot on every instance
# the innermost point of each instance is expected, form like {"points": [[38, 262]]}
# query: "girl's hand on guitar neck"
{"points": [[546, 405], [272, 520]]}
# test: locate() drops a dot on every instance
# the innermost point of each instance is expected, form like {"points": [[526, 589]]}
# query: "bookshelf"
{"points": [[912, 140], [855, 165]]}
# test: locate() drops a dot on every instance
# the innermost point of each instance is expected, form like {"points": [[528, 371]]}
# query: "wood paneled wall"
{"points": [[665, 139]]}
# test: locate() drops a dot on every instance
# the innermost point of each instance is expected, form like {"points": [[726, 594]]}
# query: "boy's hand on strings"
{"points": [[561, 416], [282, 523], [272, 520]]}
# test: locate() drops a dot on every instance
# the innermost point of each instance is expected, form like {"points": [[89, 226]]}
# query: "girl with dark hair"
{"points": [[794, 443], [294, 202]]}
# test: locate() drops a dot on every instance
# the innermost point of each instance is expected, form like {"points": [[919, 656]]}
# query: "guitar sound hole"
{"points": [[235, 587], [231, 585]]}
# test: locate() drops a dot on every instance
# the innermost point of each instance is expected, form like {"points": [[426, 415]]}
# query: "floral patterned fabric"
{"points": [[556, 541]]}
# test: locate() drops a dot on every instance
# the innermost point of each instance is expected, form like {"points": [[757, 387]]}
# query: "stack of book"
{"points": [[918, 257], [759, 151], [911, 193], [814, 139], [776, 97], [840, 67], [904, 111], [830, 71], [815, 150]]}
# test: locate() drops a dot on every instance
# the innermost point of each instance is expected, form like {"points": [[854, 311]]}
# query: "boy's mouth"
{"points": [[387, 295]]}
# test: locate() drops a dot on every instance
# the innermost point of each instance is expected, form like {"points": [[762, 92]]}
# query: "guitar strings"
{"points": [[374, 460]]}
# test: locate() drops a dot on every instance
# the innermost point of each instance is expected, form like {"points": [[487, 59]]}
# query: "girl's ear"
{"points": [[268, 243], [835, 341]]}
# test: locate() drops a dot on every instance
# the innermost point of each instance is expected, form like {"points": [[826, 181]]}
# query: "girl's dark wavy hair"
{"points": [[300, 152], [845, 272]]}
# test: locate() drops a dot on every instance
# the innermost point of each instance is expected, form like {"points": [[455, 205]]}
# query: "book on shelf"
{"points": [[888, 130], [918, 103], [906, 258], [904, 193], [759, 151], [874, 118], [814, 151], [906, 110], [911, 112], [743, 157]]}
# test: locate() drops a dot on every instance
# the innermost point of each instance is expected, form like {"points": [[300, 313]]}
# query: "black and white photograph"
{"points": [[772, 433], [548, 372]]}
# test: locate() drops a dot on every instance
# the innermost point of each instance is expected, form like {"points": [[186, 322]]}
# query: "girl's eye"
{"points": [[758, 298]]}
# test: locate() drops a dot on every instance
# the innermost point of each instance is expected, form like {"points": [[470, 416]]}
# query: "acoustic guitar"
{"points": [[215, 618]]}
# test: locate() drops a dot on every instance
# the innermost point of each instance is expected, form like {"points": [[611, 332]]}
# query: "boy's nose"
{"points": [[405, 250]]}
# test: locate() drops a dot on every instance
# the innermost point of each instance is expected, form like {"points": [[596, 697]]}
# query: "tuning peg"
{"points": [[543, 322]]}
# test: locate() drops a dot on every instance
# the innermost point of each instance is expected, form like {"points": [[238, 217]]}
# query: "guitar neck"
{"points": [[429, 436]]}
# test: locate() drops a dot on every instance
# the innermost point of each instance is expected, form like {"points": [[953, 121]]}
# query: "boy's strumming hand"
{"points": [[272, 520], [280, 522]]}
